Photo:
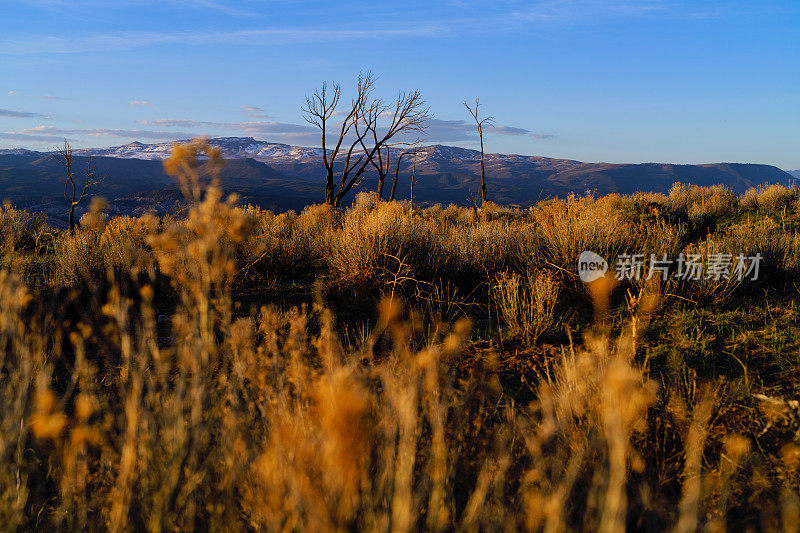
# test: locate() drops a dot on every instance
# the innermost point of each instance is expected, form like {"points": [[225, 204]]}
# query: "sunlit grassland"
{"points": [[397, 367]]}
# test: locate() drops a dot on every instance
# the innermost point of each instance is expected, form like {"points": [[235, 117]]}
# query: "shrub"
{"points": [[383, 244], [526, 304], [124, 244], [702, 203], [480, 248], [572, 226], [24, 237], [770, 199], [78, 259], [779, 248]]}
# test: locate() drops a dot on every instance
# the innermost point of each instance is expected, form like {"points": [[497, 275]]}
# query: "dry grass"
{"points": [[609, 226], [702, 202], [770, 199], [150, 398], [526, 304]]}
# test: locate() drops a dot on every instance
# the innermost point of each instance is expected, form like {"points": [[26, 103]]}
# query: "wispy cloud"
{"points": [[510, 130], [142, 103], [176, 123], [296, 134], [12, 136], [42, 44], [101, 132], [8, 113], [288, 133], [39, 96], [460, 130], [476, 15], [581, 10], [438, 130], [253, 111], [264, 127], [253, 128], [221, 7], [62, 6]]}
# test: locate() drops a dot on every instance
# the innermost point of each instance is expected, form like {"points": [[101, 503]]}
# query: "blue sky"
{"points": [[594, 80]]}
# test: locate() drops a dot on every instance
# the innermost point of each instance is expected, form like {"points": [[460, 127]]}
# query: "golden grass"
{"points": [[770, 199], [526, 304]]}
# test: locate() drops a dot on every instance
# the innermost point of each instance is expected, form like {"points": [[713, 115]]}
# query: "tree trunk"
{"points": [[71, 223], [483, 176], [382, 173], [329, 197], [394, 186]]}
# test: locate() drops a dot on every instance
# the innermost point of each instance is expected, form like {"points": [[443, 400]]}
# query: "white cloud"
{"points": [[142, 103]]}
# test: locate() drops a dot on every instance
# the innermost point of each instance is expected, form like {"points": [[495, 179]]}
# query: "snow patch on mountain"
{"points": [[278, 153]]}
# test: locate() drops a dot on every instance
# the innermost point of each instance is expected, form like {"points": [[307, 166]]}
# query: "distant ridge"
{"points": [[281, 176]]}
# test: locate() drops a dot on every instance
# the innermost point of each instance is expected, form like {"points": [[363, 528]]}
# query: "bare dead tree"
{"points": [[318, 110], [71, 187], [480, 123], [397, 168], [408, 114], [361, 119]]}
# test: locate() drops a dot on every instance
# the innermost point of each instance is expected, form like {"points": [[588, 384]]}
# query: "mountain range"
{"points": [[281, 177]]}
